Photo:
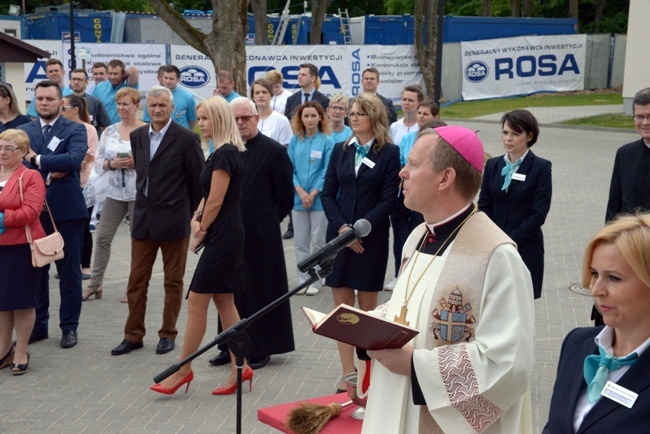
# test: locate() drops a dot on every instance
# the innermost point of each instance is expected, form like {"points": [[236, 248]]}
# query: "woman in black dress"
{"points": [[361, 183], [217, 224]]}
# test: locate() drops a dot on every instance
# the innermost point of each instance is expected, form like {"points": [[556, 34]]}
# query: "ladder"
{"points": [[278, 38], [344, 18]]}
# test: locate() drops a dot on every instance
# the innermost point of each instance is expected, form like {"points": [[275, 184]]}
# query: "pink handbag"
{"points": [[47, 249]]}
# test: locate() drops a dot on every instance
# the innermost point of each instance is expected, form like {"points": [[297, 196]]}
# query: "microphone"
{"points": [[360, 229]]}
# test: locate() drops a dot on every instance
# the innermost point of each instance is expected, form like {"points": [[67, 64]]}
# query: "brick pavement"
{"points": [[85, 389]]}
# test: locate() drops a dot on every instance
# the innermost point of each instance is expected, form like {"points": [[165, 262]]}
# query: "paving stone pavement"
{"points": [[85, 389]]}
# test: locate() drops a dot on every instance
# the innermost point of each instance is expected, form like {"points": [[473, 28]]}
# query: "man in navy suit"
{"points": [[58, 147], [309, 81]]}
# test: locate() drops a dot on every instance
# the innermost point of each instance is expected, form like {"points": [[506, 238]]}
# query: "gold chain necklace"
{"points": [[407, 295]]}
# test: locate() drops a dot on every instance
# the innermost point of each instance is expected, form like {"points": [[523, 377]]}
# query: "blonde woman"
{"points": [[217, 224]]}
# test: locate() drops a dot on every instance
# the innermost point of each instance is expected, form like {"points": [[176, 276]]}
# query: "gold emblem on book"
{"points": [[347, 319]]}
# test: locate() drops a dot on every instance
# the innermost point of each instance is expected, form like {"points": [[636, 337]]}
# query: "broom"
{"points": [[311, 418]]}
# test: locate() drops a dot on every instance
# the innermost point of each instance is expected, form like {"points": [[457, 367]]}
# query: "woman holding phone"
{"points": [[115, 184]]}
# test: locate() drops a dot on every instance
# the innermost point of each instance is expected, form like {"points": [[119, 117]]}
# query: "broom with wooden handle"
{"points": [[311, 418]]}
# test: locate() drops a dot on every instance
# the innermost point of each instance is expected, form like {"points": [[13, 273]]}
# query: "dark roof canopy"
{"points": [[15, 50]]}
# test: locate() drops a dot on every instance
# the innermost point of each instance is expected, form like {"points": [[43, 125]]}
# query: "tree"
{"points": [[516, 8], [318, 9], [528, 8], [425, 14], [573, 9], [486, 8], [260, 11], [224, 45]]}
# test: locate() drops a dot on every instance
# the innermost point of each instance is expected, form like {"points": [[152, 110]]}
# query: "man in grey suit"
{"points": [[370, 83], [168, 160]]}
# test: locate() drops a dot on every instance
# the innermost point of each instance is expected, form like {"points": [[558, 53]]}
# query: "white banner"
{"points": [[340, 67], [522, 65]]}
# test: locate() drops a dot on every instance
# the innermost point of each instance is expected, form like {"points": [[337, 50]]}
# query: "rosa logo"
{"points": [[194, 76], [476, 71]]}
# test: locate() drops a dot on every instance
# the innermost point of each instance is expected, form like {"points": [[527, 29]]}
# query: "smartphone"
{"points": [[123, 154]]}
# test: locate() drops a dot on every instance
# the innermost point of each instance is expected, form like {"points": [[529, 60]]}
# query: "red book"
{"points": [[361, 329]]}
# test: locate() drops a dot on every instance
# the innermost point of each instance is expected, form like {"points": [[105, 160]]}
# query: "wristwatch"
{"points": [[32, 160]]}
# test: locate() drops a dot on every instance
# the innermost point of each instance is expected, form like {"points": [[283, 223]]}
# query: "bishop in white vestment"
{"points": [[464, 286]]}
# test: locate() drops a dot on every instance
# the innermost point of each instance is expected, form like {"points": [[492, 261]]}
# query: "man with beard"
{"points": [[57, 148]]}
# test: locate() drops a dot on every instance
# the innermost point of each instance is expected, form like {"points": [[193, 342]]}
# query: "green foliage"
{"points": [[470, 109], [399, 7]]}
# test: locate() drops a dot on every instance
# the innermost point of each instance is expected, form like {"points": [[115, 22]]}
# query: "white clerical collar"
{"points": [[451, 217]]}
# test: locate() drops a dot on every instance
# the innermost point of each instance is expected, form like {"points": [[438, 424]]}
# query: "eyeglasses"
{"points": [[244, 118], [8, 148], [641, 118], [357, 114], [77, 79], [337, 109]]}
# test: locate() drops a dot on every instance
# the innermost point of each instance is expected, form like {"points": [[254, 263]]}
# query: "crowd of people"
{"points": [[324, 163]]}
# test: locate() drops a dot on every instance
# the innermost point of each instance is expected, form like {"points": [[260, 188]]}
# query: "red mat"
{"points": [[276, 416]]}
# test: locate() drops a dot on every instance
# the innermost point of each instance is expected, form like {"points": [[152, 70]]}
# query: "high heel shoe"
{"points": [[8, 359], [171, 390], [247, 375], [20, 369], [90, 291]]}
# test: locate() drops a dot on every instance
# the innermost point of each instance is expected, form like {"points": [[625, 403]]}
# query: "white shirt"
{"points": [[398, 130], [277, 127]]}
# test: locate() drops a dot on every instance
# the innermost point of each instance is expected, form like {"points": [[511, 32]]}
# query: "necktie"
{"points": [[306, 97], [507, 172], [596, 368], [360, 153], [46, 132]]}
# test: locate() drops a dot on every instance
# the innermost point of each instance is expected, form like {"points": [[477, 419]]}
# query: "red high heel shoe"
{"points": [[246, 375], [171, 390]]}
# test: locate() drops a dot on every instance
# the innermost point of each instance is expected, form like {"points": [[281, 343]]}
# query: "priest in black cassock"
{"points": [[267, 198]]}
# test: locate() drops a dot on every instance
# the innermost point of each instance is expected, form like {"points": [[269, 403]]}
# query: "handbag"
{"points": [[47, 249]]}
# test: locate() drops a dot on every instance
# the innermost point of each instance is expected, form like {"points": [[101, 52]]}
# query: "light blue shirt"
{"points": [[405, 146], [342, 136], [184, 108], [310, 157], [31, 111], [105, 92], [232, 96]]}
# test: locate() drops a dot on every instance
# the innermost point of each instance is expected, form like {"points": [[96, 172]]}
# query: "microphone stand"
{"points": [[239, 342]]}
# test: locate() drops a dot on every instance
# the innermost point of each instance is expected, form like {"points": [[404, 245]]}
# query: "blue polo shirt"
{"points": [[232, 96], [31, 111], [105, 92], [184, 108]]}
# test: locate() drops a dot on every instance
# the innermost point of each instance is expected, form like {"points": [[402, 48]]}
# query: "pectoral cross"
{"points": [[402, 316]]}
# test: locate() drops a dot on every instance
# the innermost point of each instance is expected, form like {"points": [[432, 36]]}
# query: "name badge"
{"points": [[368, 162], [619, 394], [518, 177], [54, 143], [316, 154]]}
